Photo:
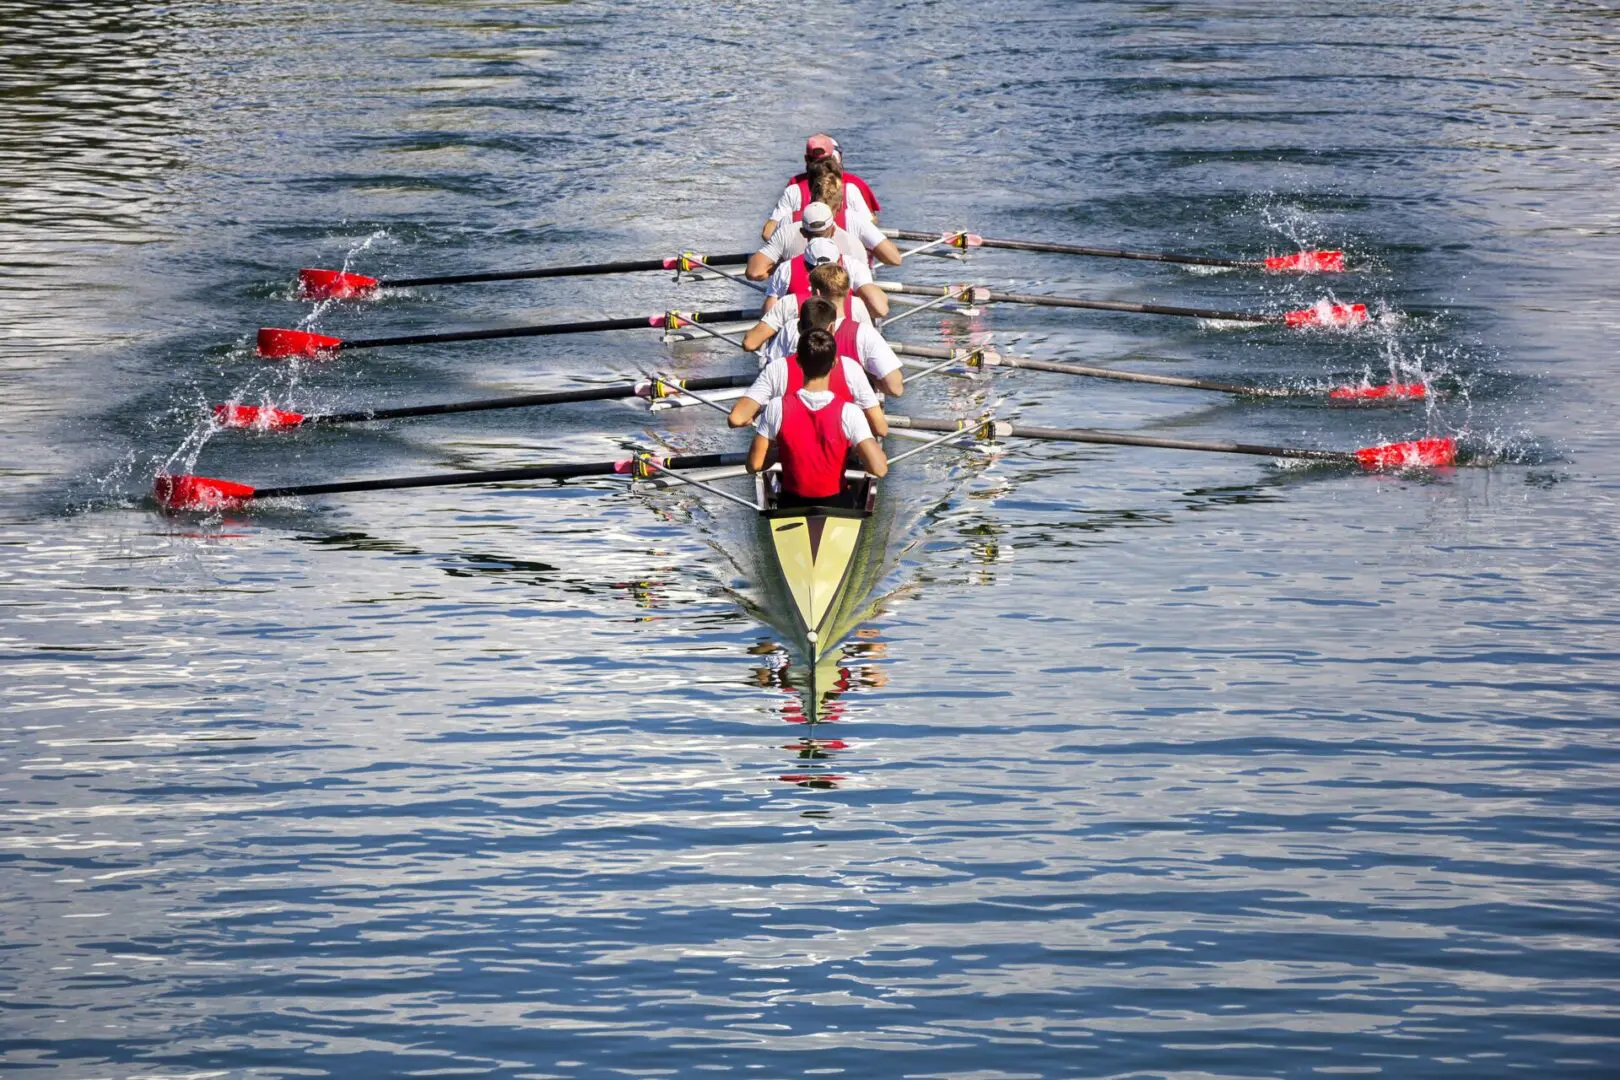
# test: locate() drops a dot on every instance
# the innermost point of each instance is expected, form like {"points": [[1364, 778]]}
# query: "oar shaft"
{"points": [[569, 471], [1139, 377], [521, 401], [629, 266], [992, 297], [1077, 249], [543, 330], [1003, 360], [1119, 438]]}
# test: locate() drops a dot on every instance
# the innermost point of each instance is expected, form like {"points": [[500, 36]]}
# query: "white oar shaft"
{"points": [[710, 488]]}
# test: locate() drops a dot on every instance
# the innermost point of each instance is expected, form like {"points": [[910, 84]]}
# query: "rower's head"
{"points": [[818, 351], [827, 186], [817, 313], [817, 220], [819, 251], [831, 281], [819, 146]]}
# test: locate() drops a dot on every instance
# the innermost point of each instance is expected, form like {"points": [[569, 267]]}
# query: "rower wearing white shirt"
{"points": [[793, 277], [821, 152], [812, 431], [777, 334], [856, 235], [780, 376]]}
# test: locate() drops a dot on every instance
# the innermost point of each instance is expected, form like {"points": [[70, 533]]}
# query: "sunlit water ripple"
{"points": [[1149, 764]]}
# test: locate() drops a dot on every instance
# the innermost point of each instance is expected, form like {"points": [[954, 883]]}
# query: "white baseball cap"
{"points": [[820, 250], [817, 218]]}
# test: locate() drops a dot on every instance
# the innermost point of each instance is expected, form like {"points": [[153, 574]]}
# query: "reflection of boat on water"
{"points": [[820, 567]]}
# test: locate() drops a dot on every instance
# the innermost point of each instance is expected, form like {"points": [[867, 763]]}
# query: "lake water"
{"points": [[1149, 764]]}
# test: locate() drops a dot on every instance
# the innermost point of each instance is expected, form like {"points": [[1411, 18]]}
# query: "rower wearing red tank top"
{"points": [[848, 380], [820, 147], [811, 431]]}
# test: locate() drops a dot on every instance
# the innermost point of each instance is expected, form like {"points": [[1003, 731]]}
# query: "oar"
{"points": [[1322, 313], [316, 284], [1304, 262], [206, 493], [233, 415], [1426, 453], [982, 358], [276, 343]]}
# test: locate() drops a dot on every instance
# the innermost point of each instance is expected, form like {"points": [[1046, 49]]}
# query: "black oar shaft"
{"points": [[522, 401], [992, 297], [545, 329], [1003, 360], [1120, 438], [1140, 377], [1078, 249], [569, 471], [628, 266]]}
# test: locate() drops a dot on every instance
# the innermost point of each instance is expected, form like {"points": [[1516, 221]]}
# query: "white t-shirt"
{"points": [[772, 383], [855, 242], [789, 204], [874, 353], [784, 315], [853, 421], [859, 274]]}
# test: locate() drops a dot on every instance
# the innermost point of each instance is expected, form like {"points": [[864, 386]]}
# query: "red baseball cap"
{"points": [[821, 145]]}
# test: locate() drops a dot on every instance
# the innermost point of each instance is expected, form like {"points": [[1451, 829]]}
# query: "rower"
{"points": [[784, 374], [777, 333], [812, 431], [793, 277], [855, 233], [819, 148]]}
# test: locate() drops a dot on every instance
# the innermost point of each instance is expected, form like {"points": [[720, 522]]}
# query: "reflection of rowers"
{"points": [[812, 427]]}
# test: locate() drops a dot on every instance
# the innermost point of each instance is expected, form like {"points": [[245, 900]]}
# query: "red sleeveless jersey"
{"points": [[812, 447], [802, 182], [835, 379]]}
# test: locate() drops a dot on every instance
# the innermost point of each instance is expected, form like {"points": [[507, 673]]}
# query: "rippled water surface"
{"points": [[1147, 763]]}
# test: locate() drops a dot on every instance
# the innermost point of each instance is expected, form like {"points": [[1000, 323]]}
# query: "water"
{"points": [[1152, 764]]}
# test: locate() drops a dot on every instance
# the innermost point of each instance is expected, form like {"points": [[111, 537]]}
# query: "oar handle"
{"points": [[544, 329], [628, 266], [522, 401], [496, 476], [1077, 249]]}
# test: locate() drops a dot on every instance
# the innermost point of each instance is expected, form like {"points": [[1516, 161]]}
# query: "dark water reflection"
{"points": [[1151, 765]]}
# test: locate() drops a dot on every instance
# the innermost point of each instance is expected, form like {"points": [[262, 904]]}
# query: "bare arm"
{"points": [[875, 300], [770, 227], [877, 421], [757, 336], [873, 459], [759, 452], [887, 253], [893, 384], [742, 414], [760, 266]]}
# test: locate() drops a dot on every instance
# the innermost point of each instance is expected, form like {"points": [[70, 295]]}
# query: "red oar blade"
{"points": [[1388, 392], [1418, 454], [255, 416], [198, 493], [276, 344], [1306, 262], [315, 284], [1323, 313]]}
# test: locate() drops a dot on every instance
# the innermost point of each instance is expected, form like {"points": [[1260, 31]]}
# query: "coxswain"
{"points": [[856, 234], [777, 333], [782, 375], [792, 278], [812, 431], [823, 148]]}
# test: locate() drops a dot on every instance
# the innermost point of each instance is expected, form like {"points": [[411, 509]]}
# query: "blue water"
{"points": [[1149, 764]]}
